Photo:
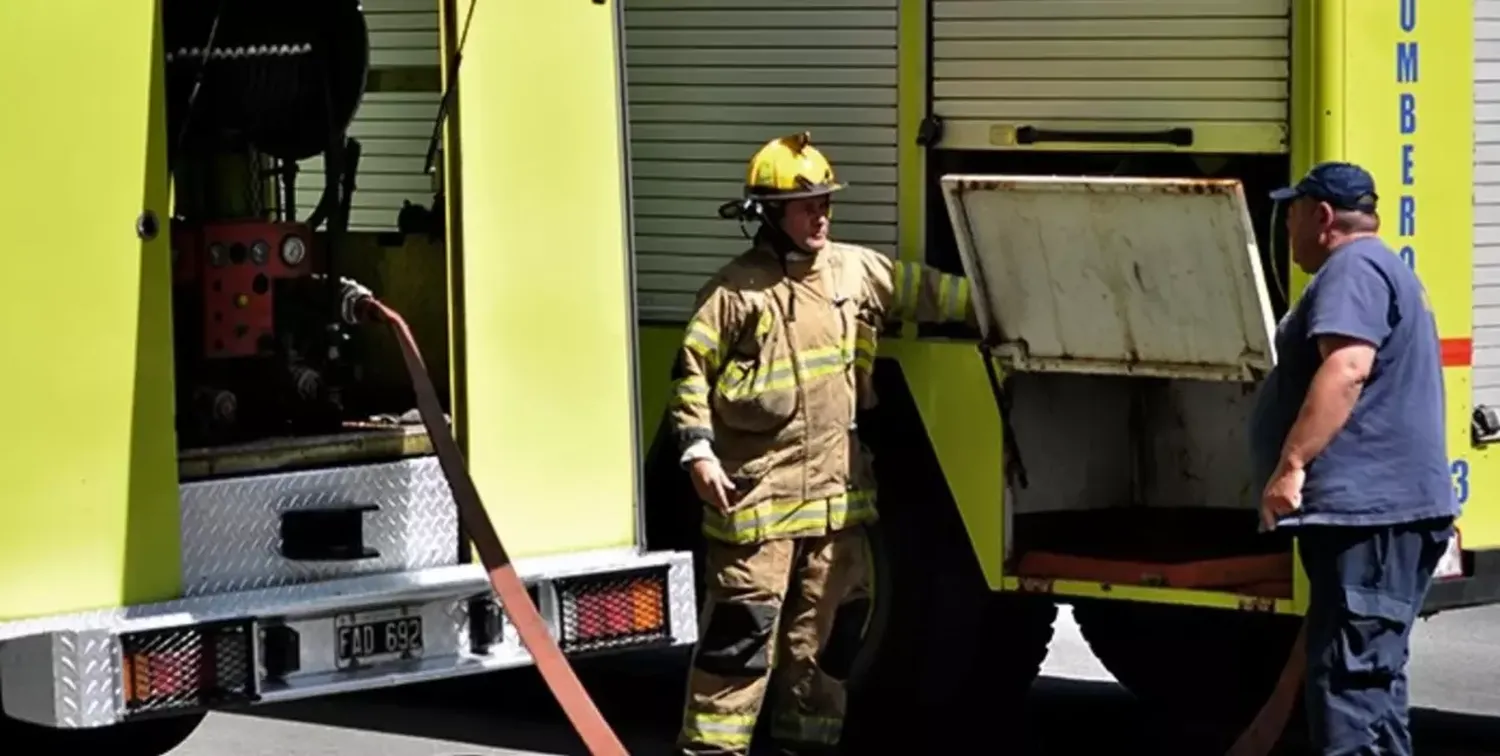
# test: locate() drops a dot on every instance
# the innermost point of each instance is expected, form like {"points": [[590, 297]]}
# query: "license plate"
{"points": [[373, 637]]}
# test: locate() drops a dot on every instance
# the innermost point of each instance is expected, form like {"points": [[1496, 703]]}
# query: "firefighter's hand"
{"points": [[1283, 494], [711, 483]]}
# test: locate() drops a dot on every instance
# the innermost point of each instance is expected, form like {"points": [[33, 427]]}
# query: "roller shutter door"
{"points": [[1218, 67], [393, 127], [1487, 202], [708, 84]]}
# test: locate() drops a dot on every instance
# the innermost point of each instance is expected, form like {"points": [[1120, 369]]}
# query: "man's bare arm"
{"points": [[1330, 399]]}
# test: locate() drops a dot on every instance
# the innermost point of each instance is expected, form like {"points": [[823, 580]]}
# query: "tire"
{"points": [[1205, 672], [152, 737], [944, 648]]}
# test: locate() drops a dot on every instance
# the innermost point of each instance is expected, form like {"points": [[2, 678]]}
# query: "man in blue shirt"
{"points": [[1348, 439]]}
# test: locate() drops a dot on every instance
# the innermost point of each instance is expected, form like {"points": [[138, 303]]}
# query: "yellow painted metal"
{"points": [[1425, 178], [952, 394], [1179, 596], [450, 169], [657, 347], [947, 379], [1347, 106], [1317, 62], [90, 513], [546, 399]]}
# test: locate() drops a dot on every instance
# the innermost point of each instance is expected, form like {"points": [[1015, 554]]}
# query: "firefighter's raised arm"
{"points": [[911, 291], [705, 344]]}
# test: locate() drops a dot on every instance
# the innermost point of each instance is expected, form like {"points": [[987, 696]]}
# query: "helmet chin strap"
{"points": [[781, 241], [785, 247], [769, 216]]}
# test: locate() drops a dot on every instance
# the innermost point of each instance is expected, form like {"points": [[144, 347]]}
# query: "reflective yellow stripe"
{"points": [[692, 390], [702, 339], [953, 296], [864, 354], [963, 302], [907, 283], [739, 384], [718, 729], [800, 728], [791, 519], [764, 325]]}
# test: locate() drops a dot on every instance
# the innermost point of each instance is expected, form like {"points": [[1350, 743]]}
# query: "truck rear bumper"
{"points": [[260, 646]]}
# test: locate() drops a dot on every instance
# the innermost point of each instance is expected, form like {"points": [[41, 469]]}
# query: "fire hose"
{"points": [[1265, 730], [358, 305]]}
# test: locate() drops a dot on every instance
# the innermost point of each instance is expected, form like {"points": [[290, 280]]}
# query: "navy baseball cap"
{"points": [[1343, 185]]}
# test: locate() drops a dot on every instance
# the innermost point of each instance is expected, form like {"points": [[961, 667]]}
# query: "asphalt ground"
{"points": [[1076, 708]]}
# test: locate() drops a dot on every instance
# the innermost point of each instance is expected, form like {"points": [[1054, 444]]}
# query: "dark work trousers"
{"points": [[1366, 586]]}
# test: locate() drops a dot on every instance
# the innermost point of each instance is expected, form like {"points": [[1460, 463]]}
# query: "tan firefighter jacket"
{"points": [[770, 371]]}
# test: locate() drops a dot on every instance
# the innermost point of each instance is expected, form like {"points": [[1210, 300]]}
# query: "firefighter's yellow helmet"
{"points": [[789, 167]]}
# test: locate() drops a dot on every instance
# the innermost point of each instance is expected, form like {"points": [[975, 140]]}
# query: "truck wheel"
{"points": [[152, 737], [949, 649], [928, 672], [1206, 672]]}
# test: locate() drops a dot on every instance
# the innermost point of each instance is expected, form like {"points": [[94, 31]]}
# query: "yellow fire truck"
{"points": [[218, 497], [1100, 171]]}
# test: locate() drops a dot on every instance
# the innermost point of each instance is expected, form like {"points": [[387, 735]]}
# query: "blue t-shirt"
{"points": [[1389, 463]]}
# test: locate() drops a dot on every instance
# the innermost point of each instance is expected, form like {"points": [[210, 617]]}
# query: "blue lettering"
{"points": [[1460, 472], [1408, 15], [1406, 124], [1406, 62], [1408, 215]]}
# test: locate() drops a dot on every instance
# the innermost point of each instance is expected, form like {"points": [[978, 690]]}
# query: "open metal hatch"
{"points": [[1116, 276]]}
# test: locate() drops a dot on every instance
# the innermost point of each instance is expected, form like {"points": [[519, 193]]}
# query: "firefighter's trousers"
{"points": [[768, 612]]}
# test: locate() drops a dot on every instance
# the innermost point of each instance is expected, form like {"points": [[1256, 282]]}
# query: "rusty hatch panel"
{"points": [[1122, 276]]}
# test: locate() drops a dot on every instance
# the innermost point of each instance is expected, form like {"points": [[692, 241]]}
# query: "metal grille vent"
{"points": [[188, 667]]}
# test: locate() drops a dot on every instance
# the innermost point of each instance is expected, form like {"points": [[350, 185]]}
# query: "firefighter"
{"points": [[774, 366]]}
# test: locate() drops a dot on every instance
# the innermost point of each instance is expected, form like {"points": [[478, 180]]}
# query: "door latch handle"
{"points": [[326, 534]]}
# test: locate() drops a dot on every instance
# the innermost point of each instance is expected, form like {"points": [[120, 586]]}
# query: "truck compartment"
{"points": [[299, 155], [1135, 475], [1128, 302], [303, 156]]}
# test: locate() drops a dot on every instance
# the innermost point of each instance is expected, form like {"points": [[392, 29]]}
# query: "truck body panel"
{"points": [[706, 80], [1348, 71], [547, 411], [91, 511], [160, 580], [1394, 91], [1033, 75]]}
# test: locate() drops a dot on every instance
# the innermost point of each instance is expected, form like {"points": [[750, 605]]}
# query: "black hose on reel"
{"points": [[278, 76]]}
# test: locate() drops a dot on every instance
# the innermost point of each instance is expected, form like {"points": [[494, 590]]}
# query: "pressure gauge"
{"points": [[293, 250], [217, 255], [260, 252]]}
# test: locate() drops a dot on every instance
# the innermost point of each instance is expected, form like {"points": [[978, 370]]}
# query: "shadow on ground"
{"points": [[641, 698]]}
